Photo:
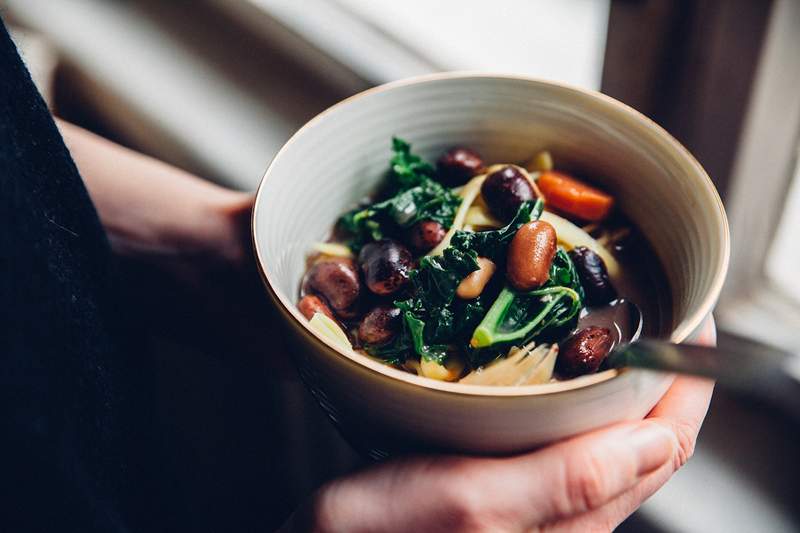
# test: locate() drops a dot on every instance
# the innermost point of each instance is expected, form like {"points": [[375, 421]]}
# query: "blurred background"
{"points": [[216, 87]]}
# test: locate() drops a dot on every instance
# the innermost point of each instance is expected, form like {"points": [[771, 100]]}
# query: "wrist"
{"points": [[224, 231]]}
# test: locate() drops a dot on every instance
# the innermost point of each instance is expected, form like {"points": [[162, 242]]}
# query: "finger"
{"points": [[578, 475], [708, 332], [682, 410], [452, 493], [609, 516]]}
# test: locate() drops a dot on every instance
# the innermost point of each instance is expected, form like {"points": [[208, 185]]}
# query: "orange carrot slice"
{"points": [[573, 197]]}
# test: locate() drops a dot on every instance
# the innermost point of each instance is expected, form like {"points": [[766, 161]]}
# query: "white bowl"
{"points": [[341, 156]]}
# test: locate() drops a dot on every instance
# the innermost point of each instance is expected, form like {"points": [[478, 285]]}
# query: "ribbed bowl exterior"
{"points": [[340, 157]]}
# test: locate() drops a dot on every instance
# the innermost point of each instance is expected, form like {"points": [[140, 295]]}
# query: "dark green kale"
{"points": [[408, 169], [415, 196], [515, 318], [433, 317]]}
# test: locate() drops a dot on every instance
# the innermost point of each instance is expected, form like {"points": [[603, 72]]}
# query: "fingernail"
{"points": [[653, 444]]}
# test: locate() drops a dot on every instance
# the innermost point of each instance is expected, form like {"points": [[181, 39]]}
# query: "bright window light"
{"points": [[784, 256]]}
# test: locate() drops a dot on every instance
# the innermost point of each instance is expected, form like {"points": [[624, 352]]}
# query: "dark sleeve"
{"points": [[76, 393]]}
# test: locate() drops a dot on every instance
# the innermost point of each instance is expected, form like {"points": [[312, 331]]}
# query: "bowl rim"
{"points": [[290, 312]]}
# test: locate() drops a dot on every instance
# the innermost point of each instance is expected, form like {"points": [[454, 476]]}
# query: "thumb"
{"points": [[583, 473]]}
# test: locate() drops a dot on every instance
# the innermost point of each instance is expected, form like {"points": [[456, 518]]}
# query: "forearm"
{"points": [[154, 211]]}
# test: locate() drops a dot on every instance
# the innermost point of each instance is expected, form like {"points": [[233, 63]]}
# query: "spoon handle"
{"points": [[752, 367]]}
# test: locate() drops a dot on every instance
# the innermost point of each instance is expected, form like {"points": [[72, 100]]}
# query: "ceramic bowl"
{"points": [[340, 156]]}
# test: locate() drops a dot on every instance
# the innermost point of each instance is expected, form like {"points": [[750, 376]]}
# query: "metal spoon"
{"points": [[745, 365]]}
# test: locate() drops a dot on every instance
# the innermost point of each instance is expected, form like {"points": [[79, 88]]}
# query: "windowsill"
{"points": [[762, 313], [381, 41]]}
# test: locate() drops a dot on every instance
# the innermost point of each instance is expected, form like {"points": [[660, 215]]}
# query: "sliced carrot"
{"points": [[573, 197]]}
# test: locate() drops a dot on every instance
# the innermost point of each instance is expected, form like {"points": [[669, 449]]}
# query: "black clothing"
{"points": [[76, 391]]}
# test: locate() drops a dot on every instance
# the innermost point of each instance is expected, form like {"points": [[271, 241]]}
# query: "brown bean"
{"points": [[425, 235], [504, 191], [530, 255], [386, 265], [584, 352], [472, 286], [379, 325], [457, 165], [310, 304], [337, 280]]}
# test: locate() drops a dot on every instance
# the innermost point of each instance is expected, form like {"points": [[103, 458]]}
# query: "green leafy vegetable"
{"points": [[516, 318], [408, 170], [416, 196], [433, 318]]}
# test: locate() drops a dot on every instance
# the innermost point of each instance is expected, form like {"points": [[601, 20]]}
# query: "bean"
{"points": [[530, 255], [504, 191], [584, 352], [472, 286], [457, 165], [593, 276], [379, 325], [310, 304], [386, 265], [425, 235], [337, 280]]}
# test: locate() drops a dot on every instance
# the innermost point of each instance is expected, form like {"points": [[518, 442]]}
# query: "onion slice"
{"points": [[330, 330], [468, 193]]}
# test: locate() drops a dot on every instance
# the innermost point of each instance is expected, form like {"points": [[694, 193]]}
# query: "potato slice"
{"points": [[332, 249], [450, 371], [541, 162]]}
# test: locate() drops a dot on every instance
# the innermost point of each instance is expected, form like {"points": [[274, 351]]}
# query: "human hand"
{"points": [[587, 483], [185, 249], [210, 296]]}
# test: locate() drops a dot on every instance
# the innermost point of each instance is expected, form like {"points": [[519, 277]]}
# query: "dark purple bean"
{"points": [[584, 352], [593, 275], [337, 280], [380, 325], [458, 165], [386, 265], [504, 191], [424, 236]]}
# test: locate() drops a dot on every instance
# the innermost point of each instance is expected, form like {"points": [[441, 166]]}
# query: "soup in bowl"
{"points": [[450, 289]]}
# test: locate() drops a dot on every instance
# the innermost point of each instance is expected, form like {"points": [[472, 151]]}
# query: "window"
{"points": [[783, 262], [761, 299], [384, 40]]}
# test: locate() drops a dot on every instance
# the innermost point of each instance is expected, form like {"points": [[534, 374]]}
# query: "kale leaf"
{"points": [[408, 169], [416, 196], [431, 318], [515, 318]]}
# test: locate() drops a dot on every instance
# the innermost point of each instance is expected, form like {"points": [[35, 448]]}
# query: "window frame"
{"points": [[751, 304]]}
